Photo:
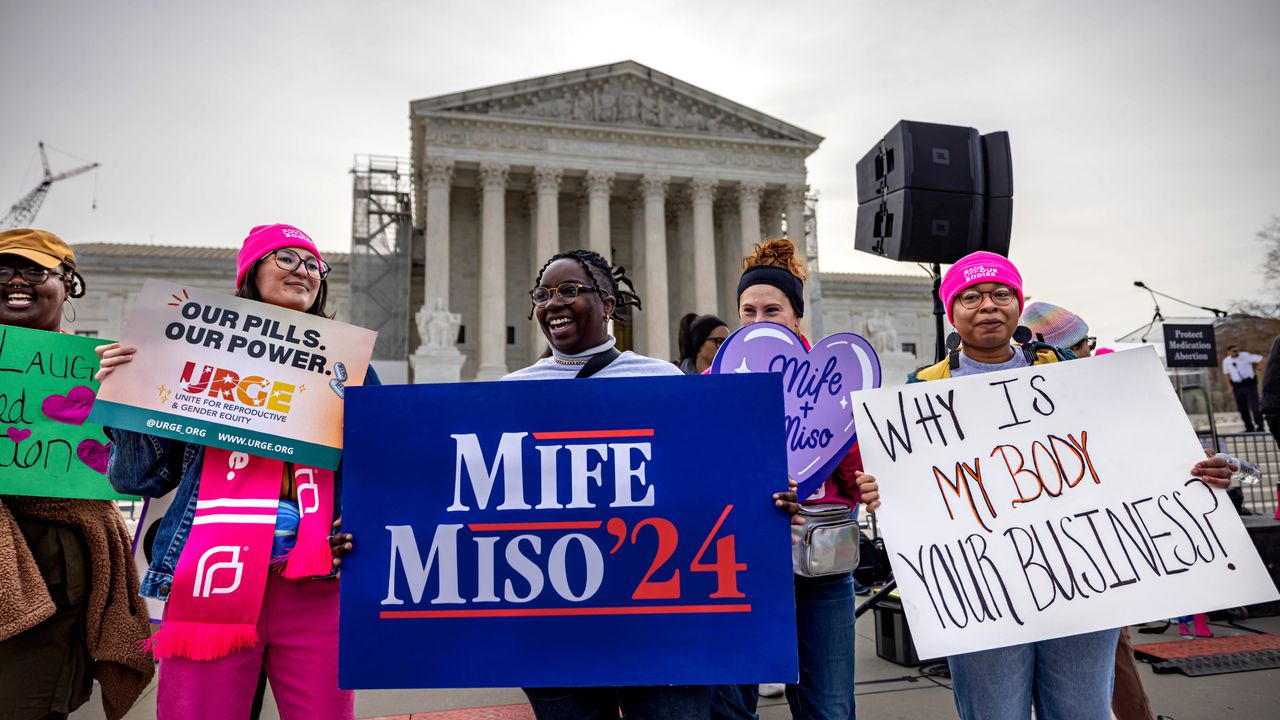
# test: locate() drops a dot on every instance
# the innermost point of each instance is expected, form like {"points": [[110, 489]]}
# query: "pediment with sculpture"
{"points": [[623, 100]]}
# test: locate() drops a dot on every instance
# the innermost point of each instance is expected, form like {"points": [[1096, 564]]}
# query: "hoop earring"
{"points": [[67, 304]]}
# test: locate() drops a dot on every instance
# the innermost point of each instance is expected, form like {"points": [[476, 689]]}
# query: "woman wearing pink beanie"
{"points": [[212, 647], [1063, 678]]}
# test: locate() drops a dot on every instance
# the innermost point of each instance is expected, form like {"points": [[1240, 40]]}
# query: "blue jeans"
{"points": [[735, 702], [676, 702], [1067, 678], [824, 626]]}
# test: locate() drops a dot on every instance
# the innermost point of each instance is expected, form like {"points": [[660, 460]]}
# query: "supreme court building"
{"points": [[666, 179], [670, 181]]}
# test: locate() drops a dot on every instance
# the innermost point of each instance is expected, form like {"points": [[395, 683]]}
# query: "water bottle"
{"points": [[1247, 472]]}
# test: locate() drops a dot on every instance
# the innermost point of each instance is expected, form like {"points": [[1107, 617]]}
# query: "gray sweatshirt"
{"points": [[564, 367]]}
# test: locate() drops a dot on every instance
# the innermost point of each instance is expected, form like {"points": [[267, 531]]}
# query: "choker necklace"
{"points": [[569, 362]]}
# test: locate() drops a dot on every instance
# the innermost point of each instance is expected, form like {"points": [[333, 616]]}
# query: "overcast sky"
{"points": [[1144, 134]]}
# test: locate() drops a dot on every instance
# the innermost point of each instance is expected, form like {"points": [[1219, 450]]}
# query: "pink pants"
{"points": [[298, 644]]}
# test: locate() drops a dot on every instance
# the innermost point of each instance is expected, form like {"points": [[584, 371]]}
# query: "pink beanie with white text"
{"points": [[266, 239], [977, 268]]}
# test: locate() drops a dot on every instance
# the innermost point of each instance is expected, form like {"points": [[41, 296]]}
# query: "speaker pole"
{"points": [[939, 348]]}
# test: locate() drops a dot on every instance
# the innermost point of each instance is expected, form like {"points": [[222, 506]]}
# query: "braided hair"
{"points": [[611, 280]]}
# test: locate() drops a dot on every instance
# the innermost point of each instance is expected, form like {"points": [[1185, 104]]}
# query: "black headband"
{"points": [[701, 330], [790, 285]]}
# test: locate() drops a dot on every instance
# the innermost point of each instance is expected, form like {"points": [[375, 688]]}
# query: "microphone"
{"points": [[1138, 283]]}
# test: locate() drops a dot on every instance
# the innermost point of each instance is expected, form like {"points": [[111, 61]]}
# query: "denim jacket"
{"points": [[153, 466]]}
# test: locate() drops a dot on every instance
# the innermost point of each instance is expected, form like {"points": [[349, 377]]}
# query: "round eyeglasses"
{"points": [[289, 261], [567, 292], [32, 275], [973, 298]]}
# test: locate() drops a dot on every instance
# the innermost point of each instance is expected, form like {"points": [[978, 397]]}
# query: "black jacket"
{"points": [[1271, 382]]}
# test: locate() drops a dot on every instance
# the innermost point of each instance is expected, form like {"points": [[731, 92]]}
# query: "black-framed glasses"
{"points": [[33, 275], [973, 298], [289, 261], [717, 341], [1093, 342], [567, 292]]}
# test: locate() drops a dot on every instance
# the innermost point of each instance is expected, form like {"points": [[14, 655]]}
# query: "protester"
{"points": [[699, 340], [69, 605], [1067, 677], [574, 296], [1059, 327], [1271, 391], [771, 289], [213, 646], [1241, 376]]}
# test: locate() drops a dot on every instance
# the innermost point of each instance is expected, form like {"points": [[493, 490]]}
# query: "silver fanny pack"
{"points": [[827, 543]]}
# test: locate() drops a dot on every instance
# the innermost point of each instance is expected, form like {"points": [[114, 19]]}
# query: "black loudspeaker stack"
{"points": [[935, 193]]}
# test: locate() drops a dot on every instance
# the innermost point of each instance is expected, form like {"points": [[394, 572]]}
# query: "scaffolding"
{"points": [[381, 243]]}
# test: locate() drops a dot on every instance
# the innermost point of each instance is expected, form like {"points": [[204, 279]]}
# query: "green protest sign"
{"points": [[46, 391]]}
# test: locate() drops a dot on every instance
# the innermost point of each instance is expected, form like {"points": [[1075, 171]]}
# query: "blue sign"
{"points": [[547, 534]]}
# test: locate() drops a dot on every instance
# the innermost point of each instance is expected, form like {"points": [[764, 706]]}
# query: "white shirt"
{"points": [[1240, 368]]}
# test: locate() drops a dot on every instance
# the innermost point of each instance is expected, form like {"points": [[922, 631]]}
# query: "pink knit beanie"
{"points": [[266, 239], [977, 268]]}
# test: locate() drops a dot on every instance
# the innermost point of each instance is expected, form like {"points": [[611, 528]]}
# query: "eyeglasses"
{"points": [[973, 298], [1093, 342], [289, 261], [33, 276], [567, 292], [717, 341]]}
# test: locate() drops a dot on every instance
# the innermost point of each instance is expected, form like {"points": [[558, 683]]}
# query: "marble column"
{"points": [[681, 261], [584, 220], [437, 358], [493, 277], [656, 304], [438, 175], [545, 184], [599, 189], [702, 193], [730, 249], [793, 201], [772, 209], [639, 341], [749, 214], [535, 264]]}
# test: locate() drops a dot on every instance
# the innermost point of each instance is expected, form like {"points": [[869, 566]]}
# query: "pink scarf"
{"points": [[221, 575]]}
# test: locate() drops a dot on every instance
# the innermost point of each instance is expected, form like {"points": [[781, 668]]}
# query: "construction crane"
{"points": [[24, 211]]}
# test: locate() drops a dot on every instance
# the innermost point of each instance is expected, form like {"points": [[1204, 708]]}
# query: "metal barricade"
{"points": [[1261, 449]]}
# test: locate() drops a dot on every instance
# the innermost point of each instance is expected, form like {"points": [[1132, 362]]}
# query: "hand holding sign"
{"points": [[816, 383]]}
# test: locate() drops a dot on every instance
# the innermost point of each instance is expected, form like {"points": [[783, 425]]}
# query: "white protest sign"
{"points": [[1048, 501]]}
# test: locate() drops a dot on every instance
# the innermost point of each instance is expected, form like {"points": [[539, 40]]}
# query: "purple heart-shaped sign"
{"points": [[17, 435], [94, 454], [71, 408], [817, 383]]}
